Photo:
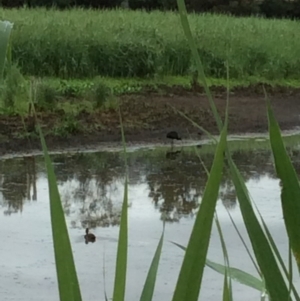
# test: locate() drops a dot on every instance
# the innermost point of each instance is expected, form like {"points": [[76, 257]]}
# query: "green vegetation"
{"points": [[189, 281], [140, 44], [102, 92], [81, 87], [85, 68]]}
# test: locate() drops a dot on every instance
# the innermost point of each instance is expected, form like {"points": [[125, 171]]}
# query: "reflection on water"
{"points": [[162, 186], [17, 184], [91, 185]]}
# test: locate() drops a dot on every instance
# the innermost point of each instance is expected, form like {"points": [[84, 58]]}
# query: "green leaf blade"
{"points": [[190, 277], [235, 274], [121, 262], [264, 255], [227, 294], [148, 288], [290, 195], [65, 267], [5, 31]]}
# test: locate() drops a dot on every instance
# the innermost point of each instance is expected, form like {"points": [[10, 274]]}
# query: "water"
{"points": [[162, 187]]}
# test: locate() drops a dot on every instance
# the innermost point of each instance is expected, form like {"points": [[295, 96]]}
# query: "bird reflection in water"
{"points": [[172, 155], [89, 237]]}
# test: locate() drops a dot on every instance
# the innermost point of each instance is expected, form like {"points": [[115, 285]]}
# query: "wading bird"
{"points": [[200, 134], [89, 237], [173, 136]]}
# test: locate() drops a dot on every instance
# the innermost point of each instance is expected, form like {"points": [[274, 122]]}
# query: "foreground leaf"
{"points": [[227, 293], [235, 274], [264, 255], [290, 195], [65, 268], [148, 289], [121, 264], [278, 256], [5, 30], [190, 277], [188, 33], [227, 286]]}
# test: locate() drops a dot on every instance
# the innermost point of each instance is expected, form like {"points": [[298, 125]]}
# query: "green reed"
{"points": [[263, 249], [5, 32]]}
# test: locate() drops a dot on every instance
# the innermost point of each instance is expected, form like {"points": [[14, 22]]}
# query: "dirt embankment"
{"points": [[149, 116]]}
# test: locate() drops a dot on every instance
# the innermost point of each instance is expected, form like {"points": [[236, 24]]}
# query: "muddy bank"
{"points": [[148, 116]]}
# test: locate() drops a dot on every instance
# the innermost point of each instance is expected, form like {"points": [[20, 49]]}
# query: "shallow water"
{"points": [[162, 187]]}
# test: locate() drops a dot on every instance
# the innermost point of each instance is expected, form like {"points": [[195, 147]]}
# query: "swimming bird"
{"points": [[173, 136], [89, 237]]}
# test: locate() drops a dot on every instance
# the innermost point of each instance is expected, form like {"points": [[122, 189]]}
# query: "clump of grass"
{"points": [[100, 94], [46, 96], [123, 43], [14, 91], [73, 88], [69, 125]]}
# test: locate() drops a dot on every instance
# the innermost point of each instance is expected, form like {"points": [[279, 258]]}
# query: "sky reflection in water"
{"points": [[163, 186]]}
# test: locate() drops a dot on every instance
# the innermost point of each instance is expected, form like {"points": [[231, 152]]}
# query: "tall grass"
{"points": [[5, 31], [122, 43], [263, 249]]}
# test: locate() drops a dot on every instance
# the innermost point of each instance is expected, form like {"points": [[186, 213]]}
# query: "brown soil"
{"points": [[147, 117]]}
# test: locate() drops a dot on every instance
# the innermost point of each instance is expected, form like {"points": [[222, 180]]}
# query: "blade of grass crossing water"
{"points": [[290, 270], [200, 69], [276, 252], [244, 243], [227, 294], [290, 195], [5, 31], [190, 276], [148, 289], [274, 280], [227, 288], [235, 274], [65, 268], [227, 281], [121, 263], [104, 277]]}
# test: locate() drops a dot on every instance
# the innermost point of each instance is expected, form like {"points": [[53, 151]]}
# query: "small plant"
{"points": [[100, 94], [69, 125], [112, 103], [46, 96], [73, 89], [14, 89]]}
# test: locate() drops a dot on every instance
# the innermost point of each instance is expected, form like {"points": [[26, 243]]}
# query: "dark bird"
{"points": [[89, 237], [200, 134], [173, 136]]}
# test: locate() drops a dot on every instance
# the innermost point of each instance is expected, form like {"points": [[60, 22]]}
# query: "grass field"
{"points": [[86, 43]]}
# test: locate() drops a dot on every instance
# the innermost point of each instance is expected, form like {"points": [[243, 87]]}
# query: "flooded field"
{"points": [[163, 185]]}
